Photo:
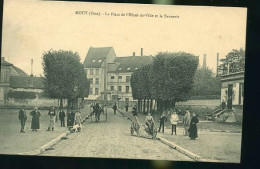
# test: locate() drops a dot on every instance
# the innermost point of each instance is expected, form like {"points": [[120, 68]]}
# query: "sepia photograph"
{"points": [[122, 81]]}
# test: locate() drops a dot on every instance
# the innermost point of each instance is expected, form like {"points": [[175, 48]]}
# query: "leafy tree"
{"points": [[206, 83], [64, 76], [234, 62]]}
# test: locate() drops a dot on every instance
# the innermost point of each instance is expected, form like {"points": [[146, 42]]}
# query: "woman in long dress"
{"points": [[193, 132], [35, 125]]}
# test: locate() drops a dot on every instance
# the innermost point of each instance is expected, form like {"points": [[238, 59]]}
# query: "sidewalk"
{"points": [[13, 142], [220, 146]]}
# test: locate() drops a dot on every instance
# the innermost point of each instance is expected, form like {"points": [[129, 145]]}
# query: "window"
{"points": [[112, 87], [86, 70], [120, 68], [99, 61], [128, 78], [97, 71], [112, 77], [96, 91], [120, 77], [120, 88], [91, 72], [94, 60], [127, 89], [97, 80], [91, 80], [136, 68], [128, 68], [90, 91], [127, 100]]}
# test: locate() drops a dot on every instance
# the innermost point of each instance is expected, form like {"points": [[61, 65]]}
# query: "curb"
{"points": [[174, 145], [43, 148]]}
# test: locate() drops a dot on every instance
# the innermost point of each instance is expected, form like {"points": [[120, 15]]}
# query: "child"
{"points": [[174, 120]]}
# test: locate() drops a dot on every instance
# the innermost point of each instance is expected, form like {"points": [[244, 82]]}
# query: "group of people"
{"points": [[97, 110], [73, 118], [189, 122]]}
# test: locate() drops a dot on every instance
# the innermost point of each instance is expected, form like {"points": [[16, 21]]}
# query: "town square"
{"points": [[75, 84]]}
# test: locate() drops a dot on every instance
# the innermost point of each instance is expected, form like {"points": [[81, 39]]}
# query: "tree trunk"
{"points": [[148, 105], [151, 105], [61, 104], [138, 106], [141, 105], [144, 106]]}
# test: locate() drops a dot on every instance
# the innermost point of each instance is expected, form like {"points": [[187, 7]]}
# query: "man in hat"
{"points": [[52, 115], [22, 117], [62, 117]]}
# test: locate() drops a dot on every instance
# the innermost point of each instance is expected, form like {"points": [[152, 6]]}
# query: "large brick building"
{"points": [[110, 75]]}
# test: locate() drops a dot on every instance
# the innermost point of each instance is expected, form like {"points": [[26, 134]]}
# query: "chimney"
{"points": [[141, 51], [31, 67], [204, 66], [133, 53], [217, 62]]}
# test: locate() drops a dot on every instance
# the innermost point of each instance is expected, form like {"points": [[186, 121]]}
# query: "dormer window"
{"points": [[99, 61], [128, 68], [94, 61], [136, 68], [120, 68]]}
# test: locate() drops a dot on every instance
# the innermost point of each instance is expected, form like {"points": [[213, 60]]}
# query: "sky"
{"points": [[32, 27]]}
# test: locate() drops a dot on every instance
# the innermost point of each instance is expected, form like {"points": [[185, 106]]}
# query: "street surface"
{"points": [[112, 139]]}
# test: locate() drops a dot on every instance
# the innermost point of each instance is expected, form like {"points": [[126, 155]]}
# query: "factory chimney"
{"points": [[204, 66], [31, 67], [141, 51], [133, 53], [217, 63]]}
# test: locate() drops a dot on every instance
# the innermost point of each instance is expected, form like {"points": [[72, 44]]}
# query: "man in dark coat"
{"points": [[162, 121], [134, 111], [126, 107], [62, 117], [193, 133], [70, 119], [22, 117], [115, 108], [35, 125]]}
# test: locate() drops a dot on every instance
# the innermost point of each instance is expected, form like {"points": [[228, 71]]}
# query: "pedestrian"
{"points": [[134, 111], [115, 108], [62, 117], [174, 121], [52, 115], [35, 125], [126, 107], [22, 117], [97, 112], [149, 122], [70, 119], [193, 131], [186, 122], [163, 119], [77, 119], [223, 104]]}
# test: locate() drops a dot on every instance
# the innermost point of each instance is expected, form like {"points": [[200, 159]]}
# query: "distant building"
{"points": [[113, 73], [8, 70]]}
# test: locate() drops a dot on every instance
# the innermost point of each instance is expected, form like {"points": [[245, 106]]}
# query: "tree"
{"points": [[167, 80], [206, 83], [64, 76], [234, 62], [173, 77]]}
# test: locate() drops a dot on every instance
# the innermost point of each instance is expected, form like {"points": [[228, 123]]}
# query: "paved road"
{"points": [[112, 139]]}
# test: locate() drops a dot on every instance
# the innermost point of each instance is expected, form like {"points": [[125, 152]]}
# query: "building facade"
{"points": [[115, 74]]}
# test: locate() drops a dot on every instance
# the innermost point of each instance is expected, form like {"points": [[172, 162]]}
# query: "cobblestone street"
{"points": [[112, 139]]}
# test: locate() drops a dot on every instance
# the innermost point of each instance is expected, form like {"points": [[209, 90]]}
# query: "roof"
{"points": [[132, 63], [26, 82], [96, 56], [5, 63], [18, 72]]}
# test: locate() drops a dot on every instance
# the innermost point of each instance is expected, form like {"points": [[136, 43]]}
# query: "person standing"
{"points": [[186, 122], [193, 131], [126, 107], [35, 125], [163, 119], [77, 119], [52, 115], [134, 111], [62, 117], [70, 119], [223, 104], [115, 108], [22, 117], [174, 121], [149, 122]]}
